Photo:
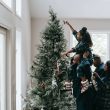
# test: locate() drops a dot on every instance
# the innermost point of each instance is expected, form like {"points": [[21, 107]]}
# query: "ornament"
{"points": [[54, 83], [58, 68], [42, 85], [68, 85]]}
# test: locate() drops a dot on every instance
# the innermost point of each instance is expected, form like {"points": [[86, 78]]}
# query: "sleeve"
{"points": [[75, 34], [81, 47], [73, 49], [87, 71], [101, 85], [101, 72], [80, 71]]}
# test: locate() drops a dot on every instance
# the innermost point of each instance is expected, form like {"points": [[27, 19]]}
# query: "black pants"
{"points": [[85, 101]]}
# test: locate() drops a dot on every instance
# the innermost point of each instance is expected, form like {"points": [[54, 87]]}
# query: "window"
{"points": [[15, 5], [8, 3], [2, 69], [18, 70], [18, 7], [100, 44]]}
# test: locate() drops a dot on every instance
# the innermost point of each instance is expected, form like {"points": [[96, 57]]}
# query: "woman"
{"points": [[83, 47], [102, 101]]}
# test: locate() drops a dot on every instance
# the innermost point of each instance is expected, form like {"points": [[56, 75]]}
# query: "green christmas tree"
{"points": [[49, 70]]}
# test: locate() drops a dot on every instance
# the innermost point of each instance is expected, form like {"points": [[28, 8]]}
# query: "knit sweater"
{"points": [[103, 94]]}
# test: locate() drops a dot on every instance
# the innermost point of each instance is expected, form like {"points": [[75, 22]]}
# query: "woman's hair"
{"points": [[86, 36], [108, 65], [97, 57]]}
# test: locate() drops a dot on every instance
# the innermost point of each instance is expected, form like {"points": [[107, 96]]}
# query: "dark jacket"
{"points": [[103, 94], [81, 47], [76, 81], [84, 100], [84, 69], [100, 70]]}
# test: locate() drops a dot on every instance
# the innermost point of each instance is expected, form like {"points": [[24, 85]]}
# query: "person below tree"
{"points": [[84, 72], [83, 100], [103, 93]]}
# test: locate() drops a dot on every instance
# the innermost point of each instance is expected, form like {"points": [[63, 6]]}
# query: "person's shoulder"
{"points": [[101, 67], [74, 32], [106, 79], [85, 61]]}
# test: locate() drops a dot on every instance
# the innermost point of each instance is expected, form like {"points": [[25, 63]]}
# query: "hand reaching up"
{"points": [[64, 54], [66, 22]]}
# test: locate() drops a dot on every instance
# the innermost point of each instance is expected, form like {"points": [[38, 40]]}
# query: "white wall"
{"points": [[72, 8], [9, 20], [38, 25]]}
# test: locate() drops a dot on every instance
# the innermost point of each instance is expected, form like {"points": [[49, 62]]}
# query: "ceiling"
{"points": [[71, 8]]}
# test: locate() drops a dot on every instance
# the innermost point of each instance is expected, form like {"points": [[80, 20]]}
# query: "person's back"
{"points": [[85, 67], [103, 93]]}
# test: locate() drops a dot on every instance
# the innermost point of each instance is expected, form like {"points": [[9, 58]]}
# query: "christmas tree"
{"points": [[49, 70]]}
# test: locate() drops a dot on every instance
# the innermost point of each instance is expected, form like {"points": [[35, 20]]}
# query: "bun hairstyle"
{"points": [[83, 31], [86, 36]]}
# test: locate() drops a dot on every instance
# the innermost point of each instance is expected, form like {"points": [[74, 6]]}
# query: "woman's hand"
{"points": [[95, 74], [64, 54], [66, 22]]}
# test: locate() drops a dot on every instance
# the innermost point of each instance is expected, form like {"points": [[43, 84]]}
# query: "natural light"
{"points": [[18, 7], [18, 70], [8, 3], [2, 71], [100, 44]]}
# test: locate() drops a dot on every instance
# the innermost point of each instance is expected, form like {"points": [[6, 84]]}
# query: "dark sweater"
{"points": [[84, 69], [81, 47], [103, 94], [76, 81], [100, 70]]}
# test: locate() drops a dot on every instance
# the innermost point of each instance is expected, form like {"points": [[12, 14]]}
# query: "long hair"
{"points": [[86, 36]]}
